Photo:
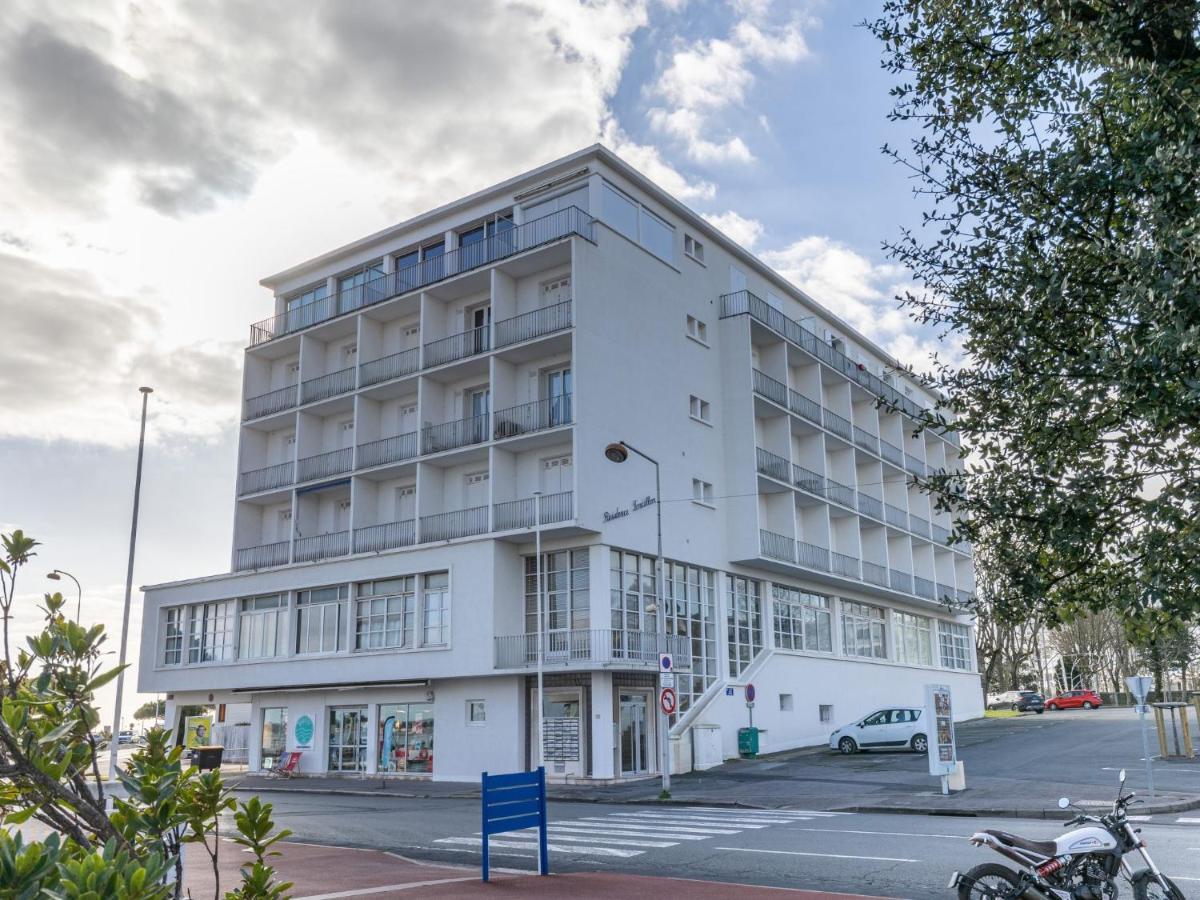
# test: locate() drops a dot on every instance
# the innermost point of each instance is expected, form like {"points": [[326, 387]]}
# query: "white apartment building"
{"points": [[416, 390]]}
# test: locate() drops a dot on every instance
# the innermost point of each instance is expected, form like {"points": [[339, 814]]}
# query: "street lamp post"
{"points": [[57, 575], [115, 744], [619, 452], [541, 635]]}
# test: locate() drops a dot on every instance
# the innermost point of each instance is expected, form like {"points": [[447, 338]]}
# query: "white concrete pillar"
{"points": [[171, 717], [603, 733], [254, 743]]}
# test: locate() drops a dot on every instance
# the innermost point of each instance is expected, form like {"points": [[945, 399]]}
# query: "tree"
{"points": [[1058, 150], [49, 772], [151, 709]]}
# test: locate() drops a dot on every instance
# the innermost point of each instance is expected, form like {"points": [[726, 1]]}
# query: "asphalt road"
{"points": [[886, 855]]}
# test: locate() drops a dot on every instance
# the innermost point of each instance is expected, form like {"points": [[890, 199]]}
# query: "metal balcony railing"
{"points": [[945, 593], [840, 493], [766, 386], [923, 587], [326, 386], [914, 465], [388, 536], [458, 523], [900, 581], [839, 425], [891, 453], [894, 515], [387, 450], [771, 465], [321, 546], [323, 465], [609, 647], [918, 525], [530, 325], [261, 557], [529, 417], [270, 402], [812, 557], [875, 574], [965, 597], [549, 228], [510, 514], [870, 506], [805, 407], [776, 546], [266, 479], [459, 346], [842, 564], [808, 480], [395, 365], [941, 534], [459, 433], [866, 440]]}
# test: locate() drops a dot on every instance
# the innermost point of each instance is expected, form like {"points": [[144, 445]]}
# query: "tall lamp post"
{"points": [[541, 635], [57, 575], [115, 743], [619, 452]]}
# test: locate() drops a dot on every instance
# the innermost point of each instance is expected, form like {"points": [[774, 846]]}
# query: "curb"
{"points": [[1177, 806]]}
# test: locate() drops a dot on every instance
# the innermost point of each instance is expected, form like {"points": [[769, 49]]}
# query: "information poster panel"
{"points": [[197, 731], [940, 715]]}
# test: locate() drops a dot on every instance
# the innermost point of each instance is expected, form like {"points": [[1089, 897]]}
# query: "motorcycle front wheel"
{"points": [[1148, 888], [988, 882]]}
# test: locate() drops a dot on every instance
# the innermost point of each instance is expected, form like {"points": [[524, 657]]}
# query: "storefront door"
{"points": [[348, 739], [635, 737]]}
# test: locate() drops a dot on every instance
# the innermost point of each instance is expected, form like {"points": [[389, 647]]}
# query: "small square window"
{"points": [[699, 409], [476, 712], [702, 492], [697, 330], [785, 702], [825, 710], [693, 248]]}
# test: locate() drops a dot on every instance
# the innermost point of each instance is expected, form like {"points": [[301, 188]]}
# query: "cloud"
{"points": [[745, 231], [649, 161]]}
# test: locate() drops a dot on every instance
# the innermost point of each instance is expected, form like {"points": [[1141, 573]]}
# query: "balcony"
{"points": [[269, 403], [524, 514], [805, 407], [388, 536], [326, 386], [914, 465], [812, 557], [266, 479], [553, 227], [771, 465], [808, 480], [891, 453], [845, 565], [900, 581], [895, 516], [530, 325], [941, 534], [924, 588], [839, 425], [395, 365], [918, 525], [459, 523], [875, 574], [777, 546], [459, 433], [945, 593], [870, 506], [766, 386], [593, 648], [325, 465], [261, 557], [467, 343], [527, 418], [840, 493], [321, 546], [866, 440], [387, 450]]}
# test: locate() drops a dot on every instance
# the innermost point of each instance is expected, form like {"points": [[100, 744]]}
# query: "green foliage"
{"points": [[151, 709], [1058, 151]]}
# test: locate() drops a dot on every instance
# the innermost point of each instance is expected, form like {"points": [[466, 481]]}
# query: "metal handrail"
{"points": [[844, 564], [261, 557], [459, 433], [510, 514], [322, 465], [945, 592], [529, 417], [325, 386], [454, 524], [840, 493], [870, 506], [808, 480], [770, 388], [875, 573], [866, 440], [812, 557], [321, 546], [267, 478], [776, 546], [771, 465], [467, 343], [923, 587], [527, 326], [941, 534], [388, 536], [894, 515], [387, 450], [394, 365], [914, 465], [891, 453], [839, 425], [552, 227], [918, 525], [589, 647], [900, 581], [805, 407], [270, 402]]}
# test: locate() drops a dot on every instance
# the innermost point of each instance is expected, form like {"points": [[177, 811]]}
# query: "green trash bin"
{"points": [[748, 742]]}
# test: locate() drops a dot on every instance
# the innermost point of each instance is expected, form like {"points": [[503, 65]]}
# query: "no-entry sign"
{"points": [[666, 701]]}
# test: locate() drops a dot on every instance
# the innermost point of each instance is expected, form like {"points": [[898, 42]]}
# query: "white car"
{"points": [[900, 728]]}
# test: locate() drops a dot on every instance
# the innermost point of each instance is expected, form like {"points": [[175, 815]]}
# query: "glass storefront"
{"points": [[348, 739], [406, 737], [274, 735]]}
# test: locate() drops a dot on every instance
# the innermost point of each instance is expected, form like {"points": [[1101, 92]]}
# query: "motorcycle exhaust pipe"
{"points": [[1033, 893]]}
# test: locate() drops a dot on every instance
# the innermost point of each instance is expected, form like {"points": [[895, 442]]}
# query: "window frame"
{"points": [[793, 610], [305, 608], [699, 410], [696, 329], [473, 706], [855, 616], [916, 629], [173, 641], [955, 636], [695, 245]]}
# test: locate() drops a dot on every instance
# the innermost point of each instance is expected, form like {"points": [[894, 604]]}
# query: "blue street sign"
{"points": [[512, 803]]}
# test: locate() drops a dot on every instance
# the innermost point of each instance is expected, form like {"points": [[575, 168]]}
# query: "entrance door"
{"points": [[565, 737], [479, 322], [557, 291], [348, 739], [556, 477], [475, 489], [406, 503], [634, 737], [558, 397], [479, 405]]}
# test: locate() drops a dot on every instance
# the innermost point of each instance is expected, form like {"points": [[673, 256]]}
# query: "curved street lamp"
{"points": [[57, 575]]}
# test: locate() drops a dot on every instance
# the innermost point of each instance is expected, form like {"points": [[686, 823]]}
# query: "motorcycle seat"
{"points": [[1041, 848]]}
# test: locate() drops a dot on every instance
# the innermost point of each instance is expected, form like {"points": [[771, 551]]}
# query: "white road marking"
{"points": [[957, 837], [683, 820], [591, 839], [765, 812], [623, 832], [827, 855], [387, 888], [1186, 821], [525, 845], [661, 826]]}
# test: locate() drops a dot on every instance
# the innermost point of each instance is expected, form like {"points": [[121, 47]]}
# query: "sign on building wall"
{"points": [[303, 733], [197, 731], [561, 743], [940, 715]]}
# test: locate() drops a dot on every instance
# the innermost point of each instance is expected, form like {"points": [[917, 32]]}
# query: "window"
{"points": [[262, 627], [744, 622], [702, 492], [619, 211], [310, 295], [210, 632], [637, 223], [785, 703], [825, 712], [386, 613], [319, 619], [693, 248], [435, 609], [657, 236], [913, 638], [566, 595], [274, 735], [348, 739], [578, 197], [955, 642], [697, 330], [699, 409], [690, 597], [803, 621], [476, 712], [633, 589], [173, 635], [406, 737], [863, 631]]}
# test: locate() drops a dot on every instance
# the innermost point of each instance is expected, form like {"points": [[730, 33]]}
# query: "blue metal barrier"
{"points": [[512, 803]]}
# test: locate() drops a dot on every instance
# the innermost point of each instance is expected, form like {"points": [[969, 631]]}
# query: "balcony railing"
{"points": [[459, 433], [530, 325], [387, 450], [839, 425], [549, 228], [894, 515], [261, 557], [841, 564], [323, 465], [891, 453], [585, 647], [768, 387], [923, 587], [771, 465], [945, 593], [808, 480], [840, 493], [900, 581], [776, 546], [873, 573], [529, 417], [523, 514], [918, 525], [914, 465], [941, 534], [459, 346], [395, 365], [805, 407], [870, 506], [811, 556], [459, 523], [322, 546], [325, 386], [265, 479], [270, 402], [965, 597], [866, 440], [388, 536]]}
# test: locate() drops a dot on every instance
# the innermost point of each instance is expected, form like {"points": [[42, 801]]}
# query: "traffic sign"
{"points": [[665, 663], [666, 701], [666, 679], [1139, 686], [749, 693]]}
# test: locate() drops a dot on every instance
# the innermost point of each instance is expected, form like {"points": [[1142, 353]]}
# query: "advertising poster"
{"points": [[939, 714], [197, 732]]}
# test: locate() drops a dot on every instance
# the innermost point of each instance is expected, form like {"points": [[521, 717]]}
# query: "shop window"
{"points": [[274, 735], [406, 737]]}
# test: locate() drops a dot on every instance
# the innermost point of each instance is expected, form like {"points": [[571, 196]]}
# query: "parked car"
{"points": [[1018, 701], [1075, 700], [885, 729], [126, 737]]}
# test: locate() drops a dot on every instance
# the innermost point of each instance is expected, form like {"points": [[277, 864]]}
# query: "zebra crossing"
{"points": [[637, 830]]}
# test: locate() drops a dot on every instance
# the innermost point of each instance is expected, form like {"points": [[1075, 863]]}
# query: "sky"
{"points": [[158, 158]]}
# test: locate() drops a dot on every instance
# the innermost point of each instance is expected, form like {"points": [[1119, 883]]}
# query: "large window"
{"points": [[210, 632], [319, 619], [274, 735], [435, 609], [348, 739], [744, 622], [173, 635], [566, 596], [406, 737], [262, 627], [913, 638], [691, 607], [636, 222], [633, 589], [803, 621], [386, 613], [864, 632], [955, 641]]}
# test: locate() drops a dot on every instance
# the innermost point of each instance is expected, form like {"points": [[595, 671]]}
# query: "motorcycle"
{"points": [[1083, 864]]}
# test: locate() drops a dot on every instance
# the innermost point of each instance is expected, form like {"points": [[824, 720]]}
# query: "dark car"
{"points": [[1030, 701]]}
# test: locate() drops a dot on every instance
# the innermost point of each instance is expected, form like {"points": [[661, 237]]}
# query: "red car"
{"points": [[1075, 700]]}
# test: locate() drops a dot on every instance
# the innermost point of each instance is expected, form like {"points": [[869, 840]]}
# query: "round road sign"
{"points": [[666, 700], [749, 693]]}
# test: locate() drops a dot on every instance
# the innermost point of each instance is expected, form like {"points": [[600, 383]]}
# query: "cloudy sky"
{"points": [[158, 158]]}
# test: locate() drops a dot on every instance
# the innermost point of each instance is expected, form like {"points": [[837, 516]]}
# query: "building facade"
{"points": [[425, 399]]}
